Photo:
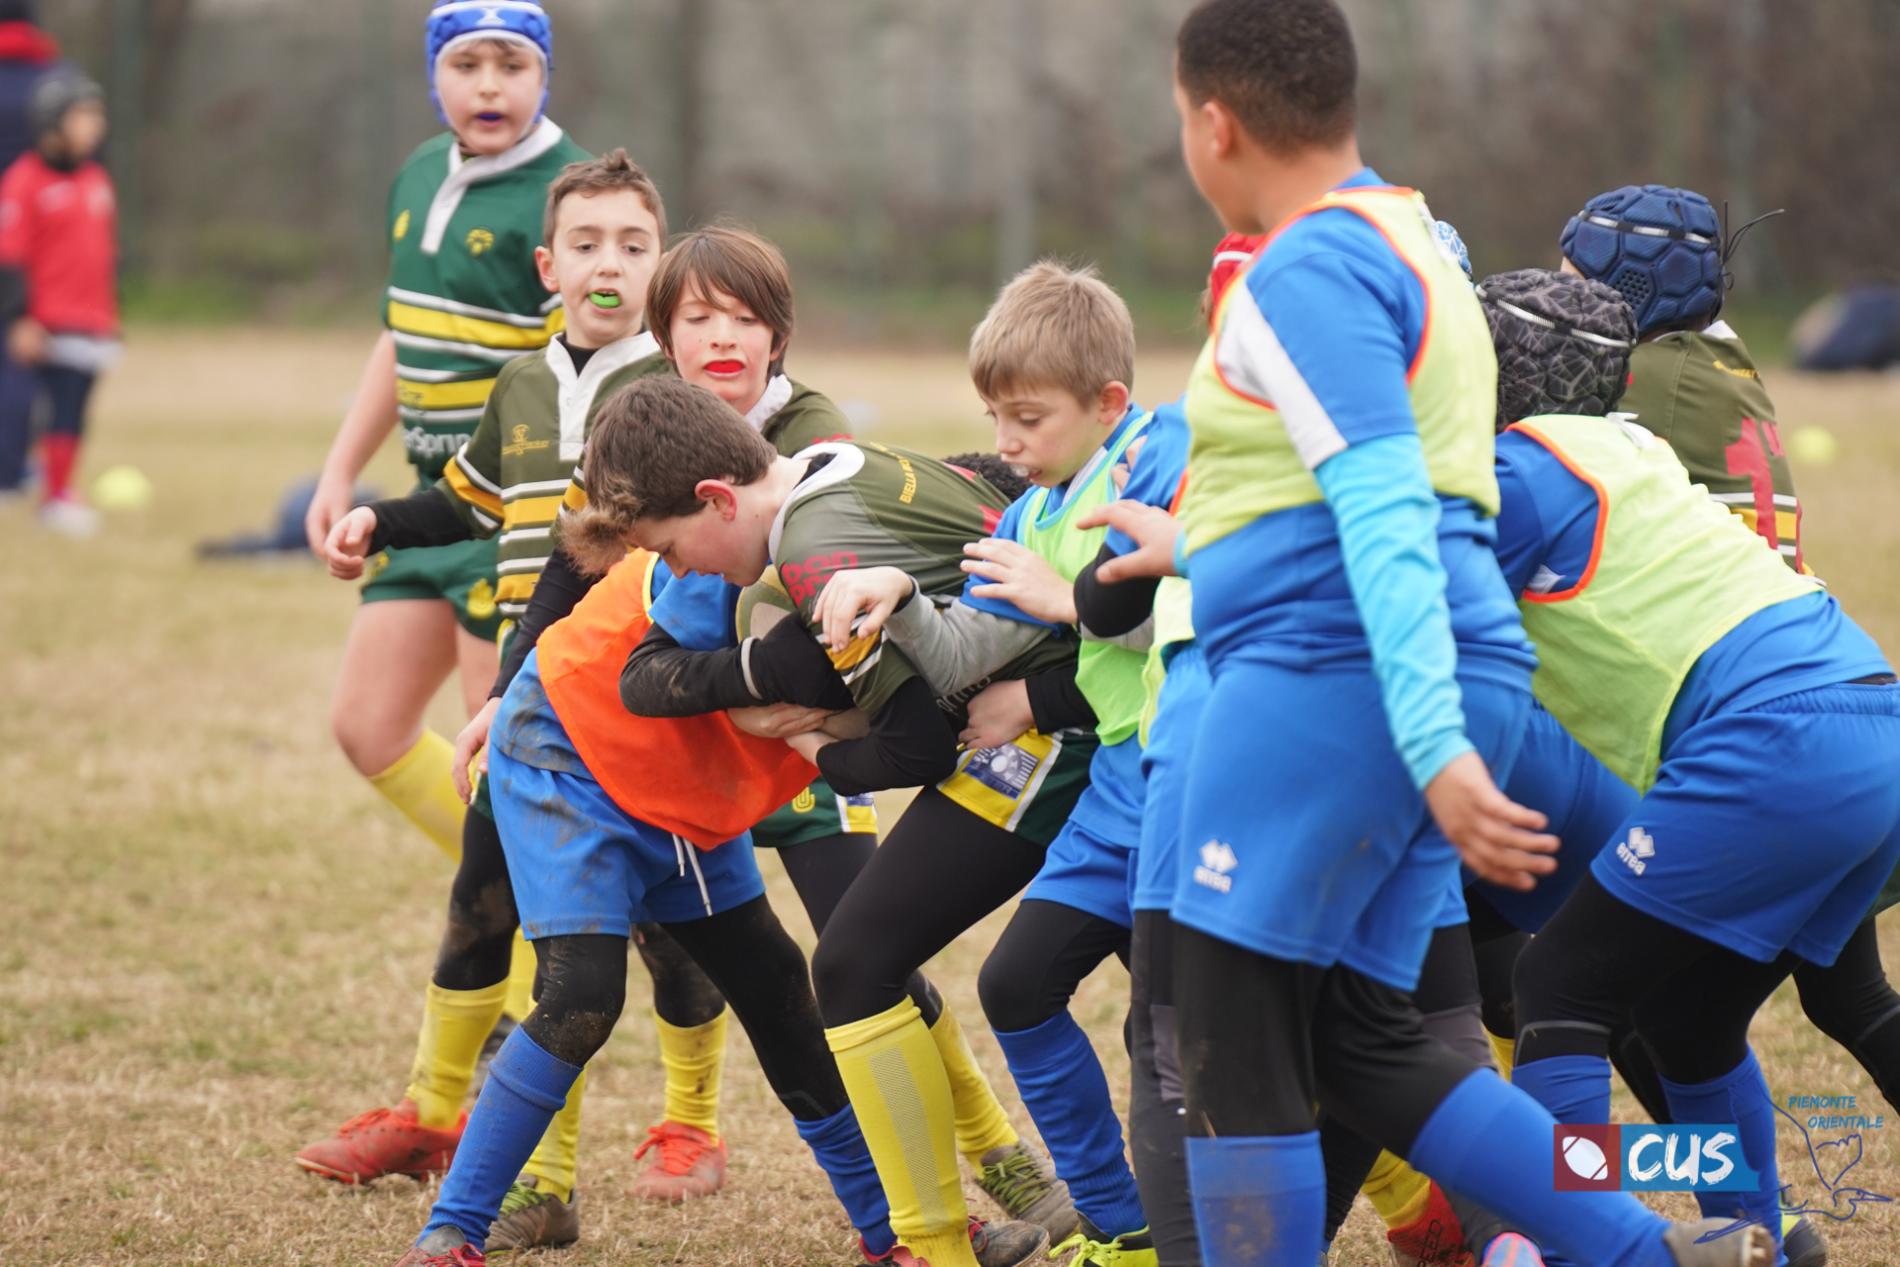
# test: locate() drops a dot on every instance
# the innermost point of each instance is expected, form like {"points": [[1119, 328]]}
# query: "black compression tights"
{"points": [[748, 956], [1252, 1026], [1447, 1001], [478, 940], [939, 871], [1156, 1113], [1851, 1002], [820, 871], [1599, 964], [1043, 955]]}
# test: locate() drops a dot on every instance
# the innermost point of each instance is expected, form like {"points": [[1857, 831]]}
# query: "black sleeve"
{"points": [[557, 592], [789, 664], [911, 744], [424, 518], [786, 666], [12, 294], [1056, 701], [1111, 610], [664, 679]]}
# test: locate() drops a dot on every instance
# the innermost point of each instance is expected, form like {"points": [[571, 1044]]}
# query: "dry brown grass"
{"points": [[218, 937]]}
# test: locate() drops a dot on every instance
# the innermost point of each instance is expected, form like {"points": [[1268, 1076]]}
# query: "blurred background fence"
{"points": [[921, 149]]}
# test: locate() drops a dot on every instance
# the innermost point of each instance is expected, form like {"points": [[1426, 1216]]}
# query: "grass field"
{"points": [[217, 936]]}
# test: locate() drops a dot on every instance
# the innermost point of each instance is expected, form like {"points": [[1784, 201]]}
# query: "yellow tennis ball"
{"points": [[1813, 446], [122, 488]]}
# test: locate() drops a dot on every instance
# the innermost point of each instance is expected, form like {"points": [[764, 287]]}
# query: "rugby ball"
{"points": [[1585, 1159], [762, 605]]}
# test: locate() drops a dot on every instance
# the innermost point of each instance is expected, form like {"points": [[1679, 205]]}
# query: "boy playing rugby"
{"points": [[1052, 362], [1364, 654], [701, 486], [1689, 663], [722, 299], [463, 300], [662, 840], [1692, 381], [602, 233]]}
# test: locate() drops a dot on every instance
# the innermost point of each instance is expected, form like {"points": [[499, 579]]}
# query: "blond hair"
{"points": [[1054, 326]]}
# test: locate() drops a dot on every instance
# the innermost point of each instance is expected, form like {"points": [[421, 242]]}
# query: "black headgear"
{"points": [[1563, 343]]}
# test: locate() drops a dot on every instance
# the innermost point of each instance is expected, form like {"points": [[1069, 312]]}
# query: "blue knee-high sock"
{"points": [[1259, 1200], [838, 1145], [1572, 1088], [525, 1088], [1066, 1093], [1739, 1096], [1491, 1143]]}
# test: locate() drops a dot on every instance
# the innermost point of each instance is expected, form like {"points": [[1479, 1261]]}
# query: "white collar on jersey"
{"points": [[771, 400], [576, 396], [464, 172], [846, 460]]}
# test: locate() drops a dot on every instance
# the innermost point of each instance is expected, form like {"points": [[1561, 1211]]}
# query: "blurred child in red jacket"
{"points": [[59, 274]]}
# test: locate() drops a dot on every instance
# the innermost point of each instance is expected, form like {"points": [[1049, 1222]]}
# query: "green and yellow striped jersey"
{"points": [[510, 475], [463, 297]]}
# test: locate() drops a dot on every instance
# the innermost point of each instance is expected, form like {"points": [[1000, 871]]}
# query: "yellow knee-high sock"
{"points": [[521, 963], [981, 1122], [556, 1155], [694, 1057], [455, 1024], [1396, 1191], [898, 1087], [1504, 1051], [420, 785]]}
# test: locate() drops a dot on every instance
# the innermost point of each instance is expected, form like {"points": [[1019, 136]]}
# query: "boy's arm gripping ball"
{"points": [[761, 608]]}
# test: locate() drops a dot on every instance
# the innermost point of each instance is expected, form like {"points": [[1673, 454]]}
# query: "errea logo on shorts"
{"points": [[1636, 852], [1217, 865]]}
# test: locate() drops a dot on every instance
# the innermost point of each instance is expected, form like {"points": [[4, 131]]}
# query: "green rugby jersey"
{"points": [[463, 297], [510, 475], [872, 506], [1700, 391]]}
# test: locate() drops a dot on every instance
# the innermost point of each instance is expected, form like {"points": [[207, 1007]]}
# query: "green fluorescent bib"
{"points": [[1245, 460], [1672, 574], [1174, 624], [1110, 676]]}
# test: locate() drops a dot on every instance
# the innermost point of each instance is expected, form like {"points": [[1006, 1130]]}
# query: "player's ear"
{"points": [[1223, 130], [719, 496], [544, 265], [1112, 403]]}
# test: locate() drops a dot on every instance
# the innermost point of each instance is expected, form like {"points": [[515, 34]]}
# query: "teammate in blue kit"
{"points": [[1423, 1222], [1368, 671], [1732, 693], [1052, 361]]}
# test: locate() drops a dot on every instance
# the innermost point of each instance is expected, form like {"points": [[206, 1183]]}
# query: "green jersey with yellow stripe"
{"points": [[509, 477], [464, 297]]}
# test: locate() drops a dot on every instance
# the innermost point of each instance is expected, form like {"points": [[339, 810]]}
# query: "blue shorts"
{"points": [[1306, 839], [1164, 766], [1769, 828], [580, 864], [1585, 803], [1090, 865]]}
